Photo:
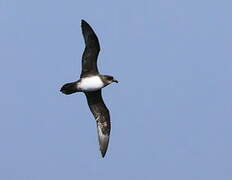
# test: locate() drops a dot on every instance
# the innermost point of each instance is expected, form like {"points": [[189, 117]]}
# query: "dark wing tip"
{"points": [[103, 136], [103, 153], [86, 27], [90, 36], [103, 142], [83, 22]]}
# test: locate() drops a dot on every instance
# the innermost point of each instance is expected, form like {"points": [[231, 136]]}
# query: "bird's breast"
{"points": [[90, 83]]}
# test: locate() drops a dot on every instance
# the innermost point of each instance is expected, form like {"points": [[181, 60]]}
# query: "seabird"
{"points": [[91, 83]]}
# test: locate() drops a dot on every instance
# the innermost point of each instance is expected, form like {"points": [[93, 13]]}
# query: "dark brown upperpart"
{"points": [[69, 88], [102, 116], [92, 48], [107, 79]]}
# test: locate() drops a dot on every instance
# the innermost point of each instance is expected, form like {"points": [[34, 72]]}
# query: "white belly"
{"points": [[90, 84]]}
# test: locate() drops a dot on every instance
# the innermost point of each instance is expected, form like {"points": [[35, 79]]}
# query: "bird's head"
{"points": [[109, 79]]}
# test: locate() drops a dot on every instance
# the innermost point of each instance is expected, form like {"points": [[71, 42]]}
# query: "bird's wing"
{"points": [[102, 116], [92, 48]]}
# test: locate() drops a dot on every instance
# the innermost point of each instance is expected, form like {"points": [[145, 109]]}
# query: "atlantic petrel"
{"points": [[91, 83]]}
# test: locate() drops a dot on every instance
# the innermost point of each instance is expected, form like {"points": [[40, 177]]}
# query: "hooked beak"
{"points": [[114, 80]]}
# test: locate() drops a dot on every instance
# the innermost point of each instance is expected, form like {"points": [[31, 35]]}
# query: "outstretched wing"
{"points": [[92, 48], [102, 116]]}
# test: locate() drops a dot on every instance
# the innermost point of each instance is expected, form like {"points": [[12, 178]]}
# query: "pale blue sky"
{"points": [[171, 112]]}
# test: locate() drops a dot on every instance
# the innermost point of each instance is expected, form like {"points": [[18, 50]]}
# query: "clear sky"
{"points": [[171, 112]]}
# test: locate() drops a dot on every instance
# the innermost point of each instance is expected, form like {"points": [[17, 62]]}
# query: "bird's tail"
{"points": [[69, 88], [103, 136]]}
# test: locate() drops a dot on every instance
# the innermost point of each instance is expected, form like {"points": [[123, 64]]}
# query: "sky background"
{"points": [[171, 112]]}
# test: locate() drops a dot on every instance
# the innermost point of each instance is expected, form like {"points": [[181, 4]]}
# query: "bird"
{"points": [[91, 83]]}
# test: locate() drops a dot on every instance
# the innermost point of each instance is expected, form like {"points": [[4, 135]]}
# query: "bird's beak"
{"points": [[114, 80]]}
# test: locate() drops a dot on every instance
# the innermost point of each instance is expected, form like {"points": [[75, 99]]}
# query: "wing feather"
{"points": [[102, 116], [92, 49]]}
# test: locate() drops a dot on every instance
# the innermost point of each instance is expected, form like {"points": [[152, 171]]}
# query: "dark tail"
{"points": [[69, 88]]}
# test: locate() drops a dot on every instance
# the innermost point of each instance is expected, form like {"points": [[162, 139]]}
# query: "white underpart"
{"points": [[90, 83]]}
